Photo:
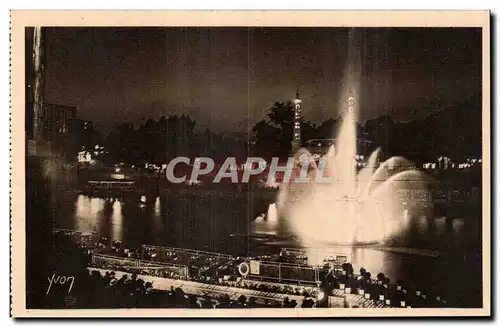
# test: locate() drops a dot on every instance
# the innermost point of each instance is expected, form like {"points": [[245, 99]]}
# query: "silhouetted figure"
{"points": [[307, 303]]}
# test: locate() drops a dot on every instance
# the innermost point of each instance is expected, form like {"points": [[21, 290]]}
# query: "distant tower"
{"points": [[296, 142]]}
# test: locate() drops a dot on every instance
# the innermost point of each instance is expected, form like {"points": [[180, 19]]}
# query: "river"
{"points": [[210, 223]]}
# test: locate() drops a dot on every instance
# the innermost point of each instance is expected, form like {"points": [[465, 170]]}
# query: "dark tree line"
{"points": [[454, 132], [275, 133], [159, 141]]}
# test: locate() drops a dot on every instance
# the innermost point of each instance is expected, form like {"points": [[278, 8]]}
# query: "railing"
{"points": [[286, 272], [87, 239], [316, 256], [120, 262], [187, 251], [73, 231], [100, 259], [110, 184]]}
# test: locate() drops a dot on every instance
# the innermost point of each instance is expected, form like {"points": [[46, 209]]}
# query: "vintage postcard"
{"points": [[250, 163]]}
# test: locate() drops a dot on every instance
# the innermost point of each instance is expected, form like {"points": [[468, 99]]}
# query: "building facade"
{"points": [[57, 121]]}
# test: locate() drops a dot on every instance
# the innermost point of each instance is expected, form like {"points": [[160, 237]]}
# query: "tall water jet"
{"points": [[358, 203]]}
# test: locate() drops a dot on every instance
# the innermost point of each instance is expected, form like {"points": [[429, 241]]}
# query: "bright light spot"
{"points": [[117, 221], [272, 213], [117, 176], [321, 296], [191, 182], [271, 184], [157, 206], [361, 205]]}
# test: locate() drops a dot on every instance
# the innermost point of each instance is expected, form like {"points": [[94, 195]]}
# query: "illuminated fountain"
{"points": [[341, 203]]}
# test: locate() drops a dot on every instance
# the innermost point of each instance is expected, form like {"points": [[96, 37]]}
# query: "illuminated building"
{"points": [[90, 156], [84, 156], [57, 122]]}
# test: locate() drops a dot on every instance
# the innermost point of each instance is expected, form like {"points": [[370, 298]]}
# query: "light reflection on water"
{"points": [[92, 213], [161, 222], [424, 226], [428, 233], [267, 224], [88, 213], [117, 221]]}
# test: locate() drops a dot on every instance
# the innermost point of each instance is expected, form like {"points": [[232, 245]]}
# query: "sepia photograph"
{"points": [[251, 164]]}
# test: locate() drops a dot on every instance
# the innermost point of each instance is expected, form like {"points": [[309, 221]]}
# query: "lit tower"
{"points": [[296, 142]]}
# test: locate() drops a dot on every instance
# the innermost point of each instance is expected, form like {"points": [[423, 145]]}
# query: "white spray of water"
{"points": [[357, 204]]}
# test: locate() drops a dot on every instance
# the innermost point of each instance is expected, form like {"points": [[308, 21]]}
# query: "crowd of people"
{"points": [[380, 288], [222, 270], [130, 291], [249, 284], [292, 290]]}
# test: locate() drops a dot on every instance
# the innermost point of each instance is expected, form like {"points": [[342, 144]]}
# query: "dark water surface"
{"points": [[210, 222]]}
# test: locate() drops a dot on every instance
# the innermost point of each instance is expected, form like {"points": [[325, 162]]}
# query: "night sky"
{"points": [[226, 78]]}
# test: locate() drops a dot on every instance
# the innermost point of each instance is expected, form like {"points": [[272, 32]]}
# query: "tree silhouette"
{"points": [[276, 134], [327, 129], [267, 137], [153, 142], [454, 131]]}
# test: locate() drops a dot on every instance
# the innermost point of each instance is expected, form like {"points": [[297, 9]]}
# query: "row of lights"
{"points": [[447, 163]]}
